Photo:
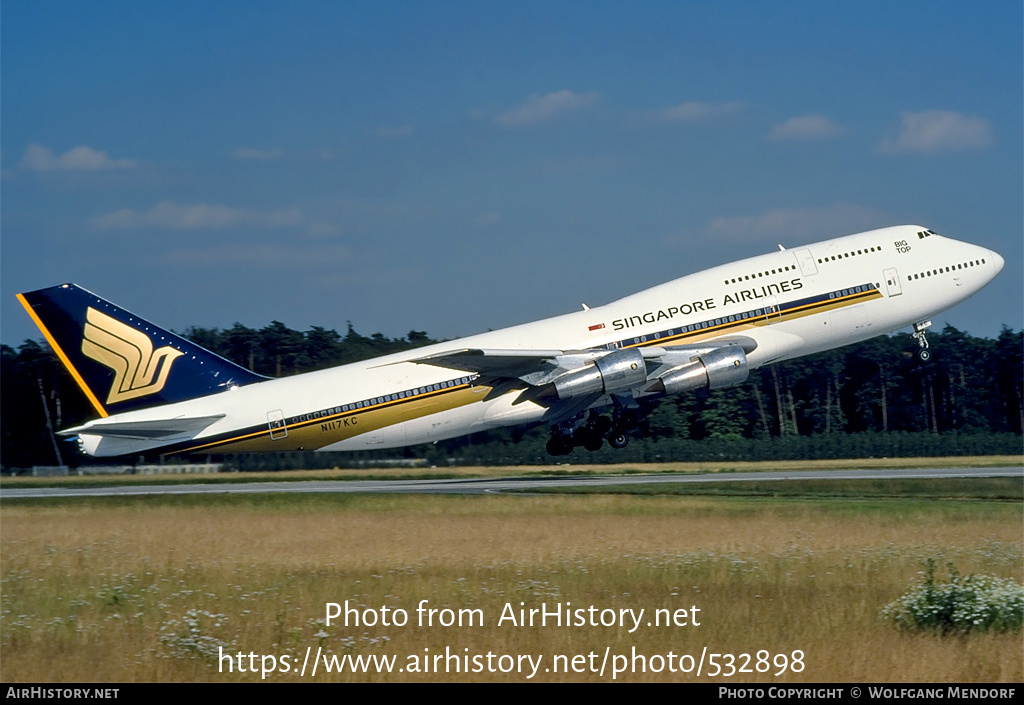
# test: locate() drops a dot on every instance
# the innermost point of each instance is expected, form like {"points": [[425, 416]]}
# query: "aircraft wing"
{"points": [[494, 363], [157, 429], [538, 367], [672, 354]]}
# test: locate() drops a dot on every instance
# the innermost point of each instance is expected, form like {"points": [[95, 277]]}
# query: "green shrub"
{"points": [[962, 605]]}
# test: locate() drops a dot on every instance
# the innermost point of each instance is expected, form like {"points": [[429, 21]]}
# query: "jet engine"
{"points": [[616, 372], [721, 367]]}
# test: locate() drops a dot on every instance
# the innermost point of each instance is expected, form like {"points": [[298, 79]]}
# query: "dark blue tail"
{"points": [[122, 362]]}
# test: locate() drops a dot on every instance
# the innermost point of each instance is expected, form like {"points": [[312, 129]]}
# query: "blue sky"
{"points": [[459, 166]]}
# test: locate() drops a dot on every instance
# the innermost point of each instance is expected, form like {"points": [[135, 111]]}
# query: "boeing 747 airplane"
{"points": [[587, 374]]}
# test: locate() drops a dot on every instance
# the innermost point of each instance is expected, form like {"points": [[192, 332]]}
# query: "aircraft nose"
{"points": [[997, 261]]}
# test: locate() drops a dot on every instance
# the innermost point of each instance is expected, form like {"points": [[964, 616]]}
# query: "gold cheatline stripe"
{"points": [[350, 412], [63, 358], [322, 419], [839, 299]]}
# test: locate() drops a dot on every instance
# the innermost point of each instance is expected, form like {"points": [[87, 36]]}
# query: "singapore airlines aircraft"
{"points": [[587, 374]]}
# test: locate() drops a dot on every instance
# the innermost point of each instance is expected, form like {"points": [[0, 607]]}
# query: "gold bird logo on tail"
{"points": [[129, 353]]}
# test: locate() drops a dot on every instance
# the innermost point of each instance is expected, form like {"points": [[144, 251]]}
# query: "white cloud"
{"points": [[696, 111], [257, 154], [172, 216], [934, 131], [81, 158], [537, 108], [807, 127], [793, 225], [263, 255]]}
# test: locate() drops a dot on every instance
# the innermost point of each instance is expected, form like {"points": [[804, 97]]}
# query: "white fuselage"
{"points": [[791, 303]]}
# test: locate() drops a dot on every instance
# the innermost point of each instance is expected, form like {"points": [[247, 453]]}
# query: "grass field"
{"points": [[154, 589]]}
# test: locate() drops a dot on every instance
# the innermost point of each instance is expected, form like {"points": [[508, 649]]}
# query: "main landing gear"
{"points": [[591, 434], [923, 353]]}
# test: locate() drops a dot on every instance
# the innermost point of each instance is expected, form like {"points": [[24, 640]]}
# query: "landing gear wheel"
{"points": [[924, 355], [559, 445], [592, 442], [618, 440]]}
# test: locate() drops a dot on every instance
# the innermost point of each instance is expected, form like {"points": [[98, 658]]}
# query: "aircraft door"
{"points": [[772, 312], [806, 261], [892, 282], [278, 428]]}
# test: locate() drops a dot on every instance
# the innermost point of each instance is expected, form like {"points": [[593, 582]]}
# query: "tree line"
{"points": [[871, 398]]}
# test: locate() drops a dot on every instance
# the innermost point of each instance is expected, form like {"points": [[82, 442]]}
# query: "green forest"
{"points": [[871, 399]]}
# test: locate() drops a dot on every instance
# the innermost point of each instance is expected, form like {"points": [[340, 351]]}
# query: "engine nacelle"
{"points": [[722, 367], [613, 373]]}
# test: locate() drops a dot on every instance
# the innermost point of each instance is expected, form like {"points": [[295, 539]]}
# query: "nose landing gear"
{"points": [[923, 353]]}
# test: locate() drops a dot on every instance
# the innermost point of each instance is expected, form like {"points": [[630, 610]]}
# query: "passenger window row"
{"points": [[397, 396], [841, 293], [852, 253], [411, 393], [942, 270], [755, 275]]}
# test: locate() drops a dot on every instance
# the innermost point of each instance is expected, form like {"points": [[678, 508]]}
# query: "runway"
{"points": [[500, 485]]}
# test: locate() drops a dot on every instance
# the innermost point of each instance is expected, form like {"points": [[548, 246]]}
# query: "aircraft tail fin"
{"points": [[121, 361]]}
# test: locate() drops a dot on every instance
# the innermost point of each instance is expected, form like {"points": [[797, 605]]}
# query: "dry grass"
{"points": [[105, 591]]}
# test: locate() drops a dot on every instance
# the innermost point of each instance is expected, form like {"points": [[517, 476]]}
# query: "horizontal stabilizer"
{"points": [[156, 429]]}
